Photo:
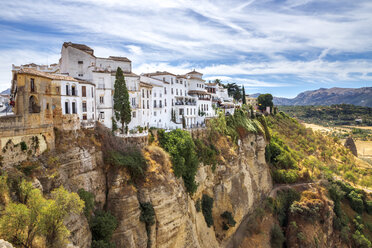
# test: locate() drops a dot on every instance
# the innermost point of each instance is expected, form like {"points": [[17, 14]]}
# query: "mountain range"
{"points": [[5, 92], [322, 96]]}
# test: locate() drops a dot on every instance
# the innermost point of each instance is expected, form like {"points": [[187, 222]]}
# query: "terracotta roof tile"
{"points": [[32, 71]]}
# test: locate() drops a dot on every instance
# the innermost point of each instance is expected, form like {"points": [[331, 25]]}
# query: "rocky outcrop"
{"points": [[350, 144], [5, 244], [237, 185]]}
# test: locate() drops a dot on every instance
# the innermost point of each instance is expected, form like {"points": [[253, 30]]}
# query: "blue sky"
{"points": [[281, 47]]}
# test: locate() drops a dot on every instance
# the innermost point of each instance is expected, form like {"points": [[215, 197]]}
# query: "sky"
{"points": [[282, 47]]}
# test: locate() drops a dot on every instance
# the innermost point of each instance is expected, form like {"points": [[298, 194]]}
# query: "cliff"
{"points": [[237, 185]]}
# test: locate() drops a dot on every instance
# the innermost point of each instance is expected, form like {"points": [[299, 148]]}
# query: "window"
{"points": [[84, 117], [84, 91], [133, 102], [101, 100], [172, 103], [172, 91], [80, 74], [32, 84], [154, 113], [163, 79], [102, 115], [67, 91], [176, 92], [47, 106], [74, 107], [187, 110], [92, 92], [181, 93], [148, 104], [57, 89], [66, 107], [80, 62], [154, 103], [154, 93], [147, 93], [160, 104], [143, 103], [73, 91], [84, 105], [143, 93], [165, 102], [165, 91], [134, 114], [172, 80]]}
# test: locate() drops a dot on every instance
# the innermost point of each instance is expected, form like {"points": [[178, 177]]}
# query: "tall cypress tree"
{"points": [[244, 101], [122, 110]]}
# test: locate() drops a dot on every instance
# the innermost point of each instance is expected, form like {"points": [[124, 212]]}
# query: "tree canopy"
{"points": [[123, 112], [265, 100], [234, 90]]}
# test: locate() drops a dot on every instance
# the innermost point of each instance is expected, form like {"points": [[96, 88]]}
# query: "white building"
{"points": [[79, 61]]}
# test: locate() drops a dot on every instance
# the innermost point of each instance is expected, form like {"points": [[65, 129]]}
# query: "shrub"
{"points": [[133, 161], [356, 202], [102, 226], [360, 240], [285, 176], [197, 205], [88, 199], [180, 146], [282, 203], [230, 222], [23, 146], [276, 237], [102, 244], [206, 153], [369, 207], [207, 205], [148, 217]]}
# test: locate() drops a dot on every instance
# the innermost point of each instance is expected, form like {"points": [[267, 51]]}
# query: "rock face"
{"points": [[5, 244], [349, 143], [237, 185]]}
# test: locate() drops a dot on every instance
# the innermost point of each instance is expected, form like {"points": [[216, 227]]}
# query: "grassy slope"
{"points": [[315, 154]]}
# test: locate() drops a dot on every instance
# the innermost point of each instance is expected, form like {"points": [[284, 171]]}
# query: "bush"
{"points": [[102, 226], [356, 202], [23, 146], [230, 222], [180, 146], [369, 207], [285, 176], [88, 199], [207, 205], [282, 204], [206, 153], [197, 205], [133, 161], [102, 244], [276, 237], [360, 240], [148, 217]]}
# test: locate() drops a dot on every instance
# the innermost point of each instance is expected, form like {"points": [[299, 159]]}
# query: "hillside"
{"points": [[322, 96]]}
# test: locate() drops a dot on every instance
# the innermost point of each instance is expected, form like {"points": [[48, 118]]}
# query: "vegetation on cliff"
{"points": [[297, 154], [34, 219]]}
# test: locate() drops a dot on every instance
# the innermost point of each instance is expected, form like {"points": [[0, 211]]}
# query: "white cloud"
{"points": [[158, 35]]}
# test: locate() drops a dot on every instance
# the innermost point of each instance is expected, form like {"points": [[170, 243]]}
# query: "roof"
{"points": [[32, 71], [194, 72], [144, 84], [78, 46], [125, 59], [198, 92], [158, 73], [196, 78], [211, 84], [81, 81]]}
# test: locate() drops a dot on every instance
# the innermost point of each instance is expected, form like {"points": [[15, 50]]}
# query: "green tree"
{"points": [[265, 100], [234, 90], [217, 81], [37, 216], [244, 101], [102, 226], [121, 100]]}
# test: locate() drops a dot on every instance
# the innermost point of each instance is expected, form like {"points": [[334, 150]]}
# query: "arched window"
{"points": [[67, 90], [33, 106], [73, 90]]}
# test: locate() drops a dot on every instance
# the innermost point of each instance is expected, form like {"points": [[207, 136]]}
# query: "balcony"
{"points": [[182, 103]]}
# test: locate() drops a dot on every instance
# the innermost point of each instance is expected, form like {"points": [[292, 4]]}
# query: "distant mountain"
{"points": [[322, 96], [5, 92]]}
